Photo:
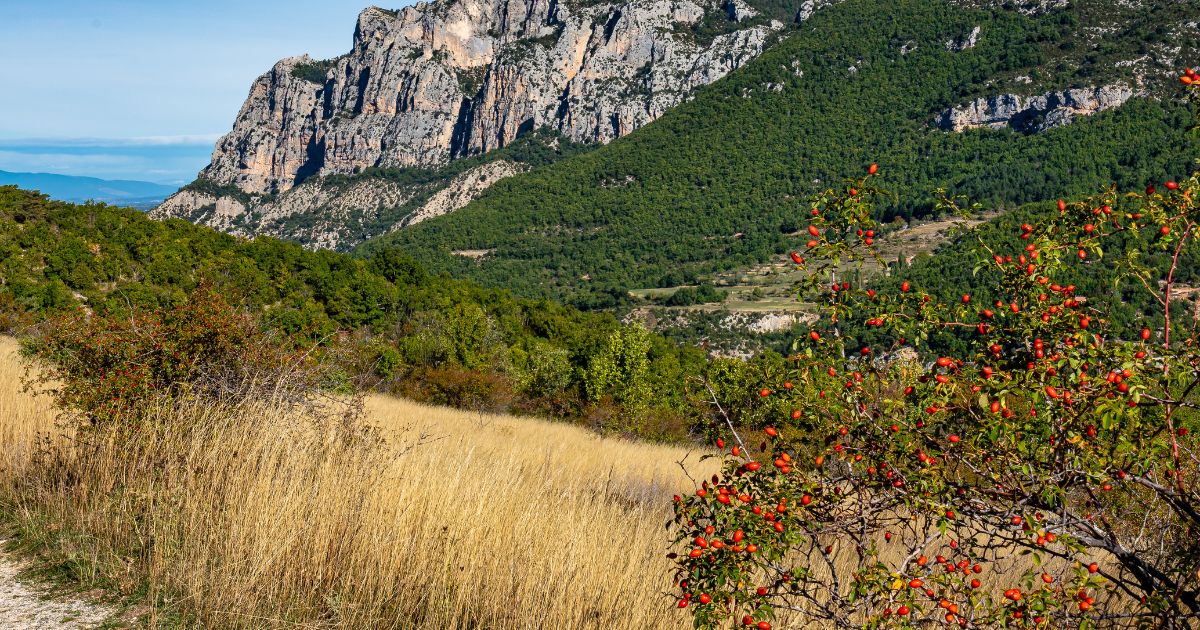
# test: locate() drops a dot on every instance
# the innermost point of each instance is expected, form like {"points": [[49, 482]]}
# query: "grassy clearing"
{"points": [[249, 517], [771, 287]]}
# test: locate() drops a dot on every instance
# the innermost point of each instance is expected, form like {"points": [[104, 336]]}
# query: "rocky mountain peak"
{"points": [[452, 78], [448, 79]]}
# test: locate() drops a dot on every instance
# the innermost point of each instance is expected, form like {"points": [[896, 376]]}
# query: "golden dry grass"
{"points": [[253, 518], [24, 419]]}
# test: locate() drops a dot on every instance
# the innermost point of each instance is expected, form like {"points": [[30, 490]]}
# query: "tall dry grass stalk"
{"points": [[249, 517]]}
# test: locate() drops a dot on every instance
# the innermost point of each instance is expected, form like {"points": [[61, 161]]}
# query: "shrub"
{"points": [[462, 388], [314, 71], [1046, 476], [388, 363], [12, 316], [622, 369], [108, 370], [544, 370], [689, 296]]}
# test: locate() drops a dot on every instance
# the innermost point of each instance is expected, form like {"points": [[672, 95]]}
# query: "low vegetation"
{"points": [[428, 337], [314, 71]]}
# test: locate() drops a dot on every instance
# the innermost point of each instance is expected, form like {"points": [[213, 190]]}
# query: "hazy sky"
{"points": [[139, 89]]}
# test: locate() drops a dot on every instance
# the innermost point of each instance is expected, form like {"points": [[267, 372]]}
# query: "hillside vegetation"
{"points": [[955, 269], [429, 337], [718, 182]]}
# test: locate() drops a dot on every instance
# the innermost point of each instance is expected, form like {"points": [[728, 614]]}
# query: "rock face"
{"points": [[453, 78], [317, 213], [809, 7], [1034, 114], [965, 42], [462, 190]]}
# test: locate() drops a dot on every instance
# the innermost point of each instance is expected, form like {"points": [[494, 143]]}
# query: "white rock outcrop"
{"points": [[1035, 113]]}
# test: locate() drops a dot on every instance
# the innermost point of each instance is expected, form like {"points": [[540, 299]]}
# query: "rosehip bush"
{"points": [[1044, 477]]}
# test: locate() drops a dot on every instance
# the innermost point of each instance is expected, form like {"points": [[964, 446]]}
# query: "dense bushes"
{"points": [[107, 371], [1043, 474], [314, 71], [412, 332], [689, 296]]}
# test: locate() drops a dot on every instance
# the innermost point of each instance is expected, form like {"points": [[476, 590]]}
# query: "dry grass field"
{"points": [[252, 518]]}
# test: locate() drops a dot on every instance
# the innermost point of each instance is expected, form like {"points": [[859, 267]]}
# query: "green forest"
{"points": [[425, 336], [720, 182], [955, 269]]}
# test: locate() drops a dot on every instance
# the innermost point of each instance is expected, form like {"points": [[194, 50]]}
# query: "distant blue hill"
{"points": [[79, 189]]}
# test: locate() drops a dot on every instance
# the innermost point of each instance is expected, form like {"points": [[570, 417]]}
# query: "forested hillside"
{"points": [[428, 337], [721, 181], [1101, 279]]}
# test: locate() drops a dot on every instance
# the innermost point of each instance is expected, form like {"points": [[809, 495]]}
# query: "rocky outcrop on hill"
{"points": [[462, 190], [332, 213], [317, 213], [966, 42], [453, 78], [1036, 113]]}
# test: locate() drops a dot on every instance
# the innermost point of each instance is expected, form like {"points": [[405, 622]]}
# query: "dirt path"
{"points": [[25, 607]]}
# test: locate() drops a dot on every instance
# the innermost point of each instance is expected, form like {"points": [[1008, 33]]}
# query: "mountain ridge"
{"points": [[78, 188], [447, 80], [720, 182]]}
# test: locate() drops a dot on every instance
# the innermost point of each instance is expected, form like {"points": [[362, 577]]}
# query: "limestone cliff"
{"points": [[462, 190], [448, 79]]}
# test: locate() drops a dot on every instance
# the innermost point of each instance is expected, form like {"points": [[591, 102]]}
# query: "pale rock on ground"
{"points": [[23, 607], [463, 190]]}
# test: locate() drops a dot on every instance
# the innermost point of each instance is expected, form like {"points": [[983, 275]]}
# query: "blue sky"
{"points": [[140, 89]]}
